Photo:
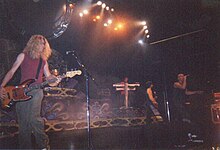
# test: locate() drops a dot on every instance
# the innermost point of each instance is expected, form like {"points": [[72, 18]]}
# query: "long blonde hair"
{"points": [[33, 50]]}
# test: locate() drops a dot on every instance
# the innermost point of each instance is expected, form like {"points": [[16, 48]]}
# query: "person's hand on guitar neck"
{"points": [[54, 78]]}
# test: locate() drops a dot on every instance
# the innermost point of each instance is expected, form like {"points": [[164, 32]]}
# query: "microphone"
{"points": [[67, 52]]}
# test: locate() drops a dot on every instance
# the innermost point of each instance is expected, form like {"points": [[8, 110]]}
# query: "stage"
{"points": [[151, 136], [112, 127]]}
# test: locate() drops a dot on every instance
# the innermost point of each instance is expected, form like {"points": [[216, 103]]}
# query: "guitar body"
{"points": [[19, 93], [16, 93]]}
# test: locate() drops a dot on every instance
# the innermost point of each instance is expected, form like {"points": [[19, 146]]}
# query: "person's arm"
{"points": [[12, 71], [187, 92], [10, 74], [50, 76], [152, 99], [180, 86]]}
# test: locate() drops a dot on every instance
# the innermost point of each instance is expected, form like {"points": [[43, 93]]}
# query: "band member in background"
{"points": [[28, 112], [179, 97], [152, 105]]}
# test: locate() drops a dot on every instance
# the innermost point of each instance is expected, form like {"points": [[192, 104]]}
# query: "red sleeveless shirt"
{"points": [[29, 69]]}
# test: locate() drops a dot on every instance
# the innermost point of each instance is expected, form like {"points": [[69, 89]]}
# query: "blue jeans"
{"points": [[30, 121]]}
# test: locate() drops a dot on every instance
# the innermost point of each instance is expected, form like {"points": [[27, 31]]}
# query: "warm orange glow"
{"points": [[115, 28], [71, 5], [64, 7], [94, 20], [120, 26], [97, 17]]}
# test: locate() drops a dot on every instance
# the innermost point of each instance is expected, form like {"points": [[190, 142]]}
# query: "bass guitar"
{"points": [[20, 92]]}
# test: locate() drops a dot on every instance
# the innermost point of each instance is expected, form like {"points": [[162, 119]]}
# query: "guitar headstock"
{"points": [[71, 74]]}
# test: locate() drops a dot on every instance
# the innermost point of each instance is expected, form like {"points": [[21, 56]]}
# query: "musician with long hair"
{"points": [[33, 64]]}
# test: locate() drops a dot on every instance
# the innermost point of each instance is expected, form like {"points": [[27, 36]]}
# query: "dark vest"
{"points": [[29, 69]]}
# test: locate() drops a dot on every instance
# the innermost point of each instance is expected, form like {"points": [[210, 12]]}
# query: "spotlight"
{"points": [[81, 14], [112, 9], [64, 8], [148, 36], [107, 7], [144, 27], [146, 31], [105, 24], [103, 5], [71, 5], [115, 28], [143, 23], [97, 17], [99, 3], [120, 26], [109, 21], [141, 42], [85, 11]]}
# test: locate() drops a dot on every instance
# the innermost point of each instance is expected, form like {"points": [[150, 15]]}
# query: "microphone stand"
{"points": [[86, 75], [166, 102]]}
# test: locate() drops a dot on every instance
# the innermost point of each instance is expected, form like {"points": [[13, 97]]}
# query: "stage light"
{"points": [[107, 8], [144, 27], [148, 36], [71, 5], [143, 23], [64, 8], [81, 14], [141, 42], [105, 24], [94, 20], [115, 28], [85, 11], [97, 17], [120, 25], [146, 31], [112, 9], [109, 21], [103, 5], [99, 3]]}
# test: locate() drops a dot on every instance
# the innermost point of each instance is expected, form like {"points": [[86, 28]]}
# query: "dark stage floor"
{"points": [[152, 136]]}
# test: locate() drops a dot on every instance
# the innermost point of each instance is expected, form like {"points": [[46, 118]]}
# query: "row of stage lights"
{"points": [[104, 6], [117, 25], [146, 34], [99, 3]]}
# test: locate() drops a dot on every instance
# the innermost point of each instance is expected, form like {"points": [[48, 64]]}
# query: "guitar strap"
{"points": [[38, 69]]}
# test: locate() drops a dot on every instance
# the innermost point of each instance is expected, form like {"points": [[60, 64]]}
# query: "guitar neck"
{"points": [[41, 85]]}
